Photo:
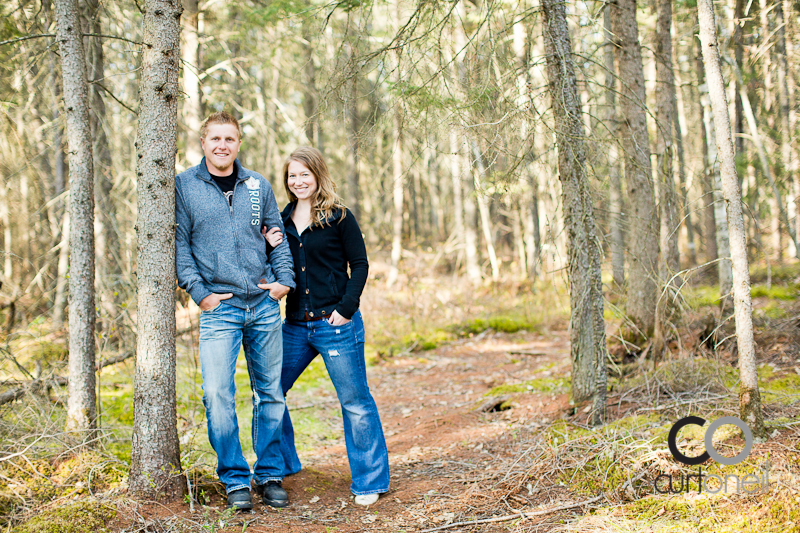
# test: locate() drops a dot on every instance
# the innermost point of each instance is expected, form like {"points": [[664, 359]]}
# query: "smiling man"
{"points": [[222, 263]]}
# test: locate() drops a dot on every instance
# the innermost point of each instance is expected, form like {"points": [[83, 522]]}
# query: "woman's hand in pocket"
{"points": [[337, 320]]}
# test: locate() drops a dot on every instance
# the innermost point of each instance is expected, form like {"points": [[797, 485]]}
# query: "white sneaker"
{"points": [[367, 499]]}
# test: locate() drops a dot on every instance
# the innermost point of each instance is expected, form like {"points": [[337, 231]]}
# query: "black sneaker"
{"points": [[272, 494], [240, 500]]}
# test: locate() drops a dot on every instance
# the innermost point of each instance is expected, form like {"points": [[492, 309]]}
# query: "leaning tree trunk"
{"points": [[643, 219], [749, 397], [587, 328], [82, 404], [155, 460]]}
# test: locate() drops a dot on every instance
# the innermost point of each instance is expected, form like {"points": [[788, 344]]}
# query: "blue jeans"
{"points": [[342, 349], [222, 331]]}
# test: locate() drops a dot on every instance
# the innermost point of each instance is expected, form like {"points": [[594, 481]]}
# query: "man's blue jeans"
{"points": [[223, 330], [342, 349]]}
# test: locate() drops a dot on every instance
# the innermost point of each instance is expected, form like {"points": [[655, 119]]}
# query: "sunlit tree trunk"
{"points": [[706, 181], [81, 407], [483, 209], [155, 455], [749, 397], [587, 328], [61, 277], [643, 217], [398, 176], [786, 132], [688, 215]]}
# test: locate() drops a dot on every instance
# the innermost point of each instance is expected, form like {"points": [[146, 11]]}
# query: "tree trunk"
{"points": [[643, 219], [455, 177], [397, 192], [709, 222], [687, 213], [587, 328], [81, 407], [615, 181], [310, 103], [155, 457], [665, 118], [786, 133], [749, 397], [470, 218], [724, 272], [483, 209], [192, 105], [61, 276]]}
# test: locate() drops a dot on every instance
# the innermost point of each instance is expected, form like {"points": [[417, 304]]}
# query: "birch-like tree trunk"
{"points": [[587, 328], [192, 104], [642, 215], [483, 209], [749, 397], [353, 190], [155, 457], [615, 180], [82, 403], [786, 133]]}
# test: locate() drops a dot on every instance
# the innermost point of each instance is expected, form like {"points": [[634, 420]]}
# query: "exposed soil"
{"points": [[441, 444]]}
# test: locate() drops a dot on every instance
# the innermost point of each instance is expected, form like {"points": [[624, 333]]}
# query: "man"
{"points": [[222, 263]]}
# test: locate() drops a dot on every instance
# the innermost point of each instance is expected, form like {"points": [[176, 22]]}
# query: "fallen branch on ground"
{"points": [[529, 514]]}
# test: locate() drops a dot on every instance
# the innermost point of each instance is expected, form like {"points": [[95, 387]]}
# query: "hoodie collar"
{"points": [[205, 175]]}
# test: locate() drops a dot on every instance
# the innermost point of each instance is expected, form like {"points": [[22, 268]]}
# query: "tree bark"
{"points": [[81, 406], [643, 218], [724, 272], [155, 460], [749, 397], [587, 328], [709, 222], [192, 105], [615, 181], [665, 118], [483, 209], [786, 132], [397, 191]]}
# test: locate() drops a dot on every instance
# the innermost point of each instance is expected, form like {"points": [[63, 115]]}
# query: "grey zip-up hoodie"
{"points": [[219, 247]]}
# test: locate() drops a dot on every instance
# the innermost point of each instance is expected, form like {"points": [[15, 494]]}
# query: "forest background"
{"points": [[444, 129]]}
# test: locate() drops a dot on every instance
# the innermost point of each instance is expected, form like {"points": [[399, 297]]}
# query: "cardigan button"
{"points": [[301, 245], [306, 291], [311, 314], [302, 269]]}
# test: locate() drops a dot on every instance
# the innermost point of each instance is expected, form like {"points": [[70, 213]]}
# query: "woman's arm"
{"points": [[355, 251]]}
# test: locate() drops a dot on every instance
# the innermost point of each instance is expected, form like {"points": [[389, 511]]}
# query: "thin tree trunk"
{"points": [[310, 103], [783, 217], [615, 181], [155, 457], [687, 213], [81, 407], [665, 117], [470, 219], [709, 222], [786, 133], [61, 277], [749, 397], [192, 105], [587, 328], [486, 223], [643, 219], [5, 219], [455, 176], [397, 185]]}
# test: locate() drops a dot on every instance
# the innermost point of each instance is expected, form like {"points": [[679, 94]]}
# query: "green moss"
{"points": [[427, 340], [505, 324], [83, 517], [785, 389], [776, 292], [701, 296], [777, 273], [555, 384]]}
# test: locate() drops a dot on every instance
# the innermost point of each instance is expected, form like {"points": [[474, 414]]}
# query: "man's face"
{"points": [[220, 146]]}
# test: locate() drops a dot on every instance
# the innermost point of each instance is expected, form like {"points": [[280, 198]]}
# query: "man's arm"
{"points": [[281, 256], [189, 278]]}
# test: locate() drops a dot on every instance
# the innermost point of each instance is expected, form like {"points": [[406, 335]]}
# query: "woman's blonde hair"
{"points": [[325, 201]]}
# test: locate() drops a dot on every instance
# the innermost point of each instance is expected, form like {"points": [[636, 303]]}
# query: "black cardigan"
{"points": [[321, 256]]}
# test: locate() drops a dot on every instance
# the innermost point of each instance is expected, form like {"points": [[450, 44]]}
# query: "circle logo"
{"points": [[710, 452]]}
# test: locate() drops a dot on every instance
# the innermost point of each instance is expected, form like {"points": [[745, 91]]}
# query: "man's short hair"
{"points": [[220, 117]]}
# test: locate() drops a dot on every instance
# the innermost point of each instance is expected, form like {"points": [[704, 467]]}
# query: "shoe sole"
{"points": [[241, 507], [275, 503]]}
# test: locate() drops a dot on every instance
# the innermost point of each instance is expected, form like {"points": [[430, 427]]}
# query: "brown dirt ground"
{"points": [[440, 443]]}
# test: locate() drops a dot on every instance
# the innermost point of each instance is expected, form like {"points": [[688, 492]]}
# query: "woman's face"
{"points": [[301, 181]]}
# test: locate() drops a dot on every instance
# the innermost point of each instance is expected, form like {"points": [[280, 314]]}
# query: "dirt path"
{"points": [[440, 442]]}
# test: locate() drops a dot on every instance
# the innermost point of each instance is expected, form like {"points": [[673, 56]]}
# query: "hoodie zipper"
{"points": [[235, 236]]}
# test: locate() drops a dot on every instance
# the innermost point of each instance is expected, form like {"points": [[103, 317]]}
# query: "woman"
{"points": [[322, 316]]}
